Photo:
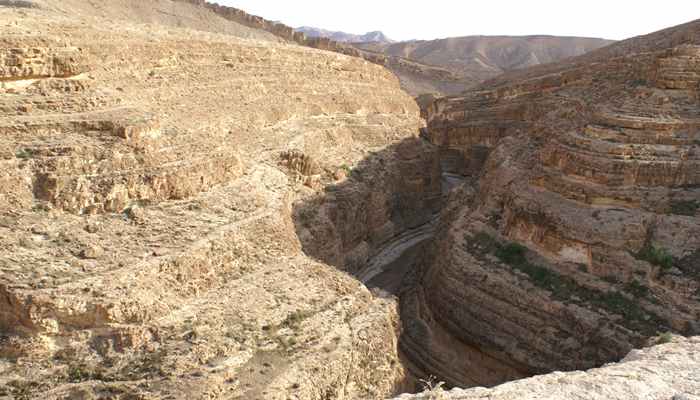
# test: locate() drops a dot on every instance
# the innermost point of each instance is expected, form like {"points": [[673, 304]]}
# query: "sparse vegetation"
{"points": [[637, 289], [295, 318], [656, 256], [24, 154], [21, 390], [664, 338], [432, 388], [687, 208], [80, 373], [566, 289], [513, 254]]}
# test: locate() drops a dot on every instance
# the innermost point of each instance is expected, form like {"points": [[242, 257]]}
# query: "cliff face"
{"points": [[577, 235], [668, 371], [147, 190], [190, 213]]}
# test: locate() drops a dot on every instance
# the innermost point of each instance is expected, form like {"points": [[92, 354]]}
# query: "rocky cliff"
{"points": [[576, 236], [668, 371], [194, 206], [147, 194]]}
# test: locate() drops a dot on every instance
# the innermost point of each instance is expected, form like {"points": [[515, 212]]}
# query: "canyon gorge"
{"points": [[197, 203]]}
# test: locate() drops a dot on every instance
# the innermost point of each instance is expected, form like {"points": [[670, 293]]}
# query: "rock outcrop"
{"points": [[193, 206], [668, 371], [147, 187], [576, 237]]}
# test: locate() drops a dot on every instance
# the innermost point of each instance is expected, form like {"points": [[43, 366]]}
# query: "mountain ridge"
{"points": [[470, 60], [344, 37]]}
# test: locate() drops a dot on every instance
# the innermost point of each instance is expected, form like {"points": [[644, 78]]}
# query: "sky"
{"points": [[433, 19]]}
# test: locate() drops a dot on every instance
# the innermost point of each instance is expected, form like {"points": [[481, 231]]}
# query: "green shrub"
{"points": [[687, 208], [23, 154], [637, 289], [566, 289], [512, 253], [656, 256], [619, 304], [665, 338]]}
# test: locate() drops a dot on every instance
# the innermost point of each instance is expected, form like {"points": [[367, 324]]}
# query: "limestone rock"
{"points": [[152, 151], [674, 375], [92, 252], [571, 253]]}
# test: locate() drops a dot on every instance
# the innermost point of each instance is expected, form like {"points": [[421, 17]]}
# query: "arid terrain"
{"points": [[450, 66], [198, 203], [371, 37]]}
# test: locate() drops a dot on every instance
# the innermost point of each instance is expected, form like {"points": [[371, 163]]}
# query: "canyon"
{"points": [[199, 203]]}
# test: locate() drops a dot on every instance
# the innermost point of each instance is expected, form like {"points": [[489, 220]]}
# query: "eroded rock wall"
{"points": [[147, 190], [572, 245], [668, 371], [391, 192]]}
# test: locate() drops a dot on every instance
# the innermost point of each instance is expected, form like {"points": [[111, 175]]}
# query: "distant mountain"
{"points": [[448, 66], [373, 37]]}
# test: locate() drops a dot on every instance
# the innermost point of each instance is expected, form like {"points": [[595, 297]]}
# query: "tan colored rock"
{"points": [[92, 252], [674, 376], [571, 242], [153, 153]]}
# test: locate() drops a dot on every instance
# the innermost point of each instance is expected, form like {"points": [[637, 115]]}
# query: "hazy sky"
{"points": [[431, 19]]}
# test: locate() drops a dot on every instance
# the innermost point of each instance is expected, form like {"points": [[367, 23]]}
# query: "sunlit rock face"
{"points": [[151, 155], [579, 237]]}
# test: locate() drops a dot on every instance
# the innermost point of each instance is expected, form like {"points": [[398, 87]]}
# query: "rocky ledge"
{"points": [[147, 187], [669, 371]]}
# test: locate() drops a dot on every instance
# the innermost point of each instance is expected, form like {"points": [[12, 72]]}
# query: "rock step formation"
{"points": [[149, 179], [578, 238]]}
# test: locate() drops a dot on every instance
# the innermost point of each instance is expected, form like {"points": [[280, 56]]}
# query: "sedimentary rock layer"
{"points": [[147, 187], [574, 243], [668, 371]]}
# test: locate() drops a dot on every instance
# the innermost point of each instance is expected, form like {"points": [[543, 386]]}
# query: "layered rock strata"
{"points": [[390, 193], [147, 190], [577, 238], [668, 371]]}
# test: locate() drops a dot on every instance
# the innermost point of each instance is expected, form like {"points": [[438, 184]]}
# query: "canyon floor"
{"points": [[191, 207]]}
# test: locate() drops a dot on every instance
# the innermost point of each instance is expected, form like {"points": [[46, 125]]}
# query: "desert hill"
{"points": [[373, 37], [474, 59]]}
